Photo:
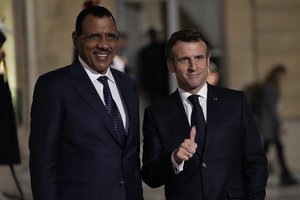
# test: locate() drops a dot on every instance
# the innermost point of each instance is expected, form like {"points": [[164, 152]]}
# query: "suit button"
{"points": [[122, 183], [204, 165]]}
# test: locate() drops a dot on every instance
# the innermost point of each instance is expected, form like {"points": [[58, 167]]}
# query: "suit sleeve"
{"points": [[46, 119], [254, 159], [157, 167]]}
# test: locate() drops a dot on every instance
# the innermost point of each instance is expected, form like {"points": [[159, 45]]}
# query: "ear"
{"points": [[75, 37], [208, 59], [171, 66]]}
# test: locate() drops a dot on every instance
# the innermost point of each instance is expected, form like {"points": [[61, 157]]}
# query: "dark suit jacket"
{"points": [[232, 164], [74, 153]]}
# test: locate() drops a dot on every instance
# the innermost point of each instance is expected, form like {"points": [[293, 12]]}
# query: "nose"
{"points": [[192, 64], [103, 43]]}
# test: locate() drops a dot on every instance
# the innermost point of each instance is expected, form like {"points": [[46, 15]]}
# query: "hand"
{"points": [[187, 148]]}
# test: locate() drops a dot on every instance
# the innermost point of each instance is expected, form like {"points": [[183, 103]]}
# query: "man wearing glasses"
{"points": [[84, 139]]}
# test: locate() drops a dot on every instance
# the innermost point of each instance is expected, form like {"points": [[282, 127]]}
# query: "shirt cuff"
{"points": [[177, 167]]}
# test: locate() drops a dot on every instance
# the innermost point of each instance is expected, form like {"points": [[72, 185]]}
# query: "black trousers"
{"points": [[279, 152]]}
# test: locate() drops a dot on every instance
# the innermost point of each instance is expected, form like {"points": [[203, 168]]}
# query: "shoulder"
{"points": [[56, 78], [164, 104], [123, 76], [55, 74], [224, 91], [120, 74], [228, 96]]}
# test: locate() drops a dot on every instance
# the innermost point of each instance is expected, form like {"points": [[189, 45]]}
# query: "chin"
{"points": [[101, 68]]}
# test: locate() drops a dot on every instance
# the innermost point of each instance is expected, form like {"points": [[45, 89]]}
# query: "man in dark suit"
{"points": [[78, 150], [220, 158], [152, 63]]}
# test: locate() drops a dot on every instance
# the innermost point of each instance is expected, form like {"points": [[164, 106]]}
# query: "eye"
{"points": [[94, 36], [200, 57], [99, 36], [183, 60], [112, 36]]}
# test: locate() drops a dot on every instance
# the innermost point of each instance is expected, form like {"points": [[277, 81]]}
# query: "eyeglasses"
{"points": [[98, 36]]}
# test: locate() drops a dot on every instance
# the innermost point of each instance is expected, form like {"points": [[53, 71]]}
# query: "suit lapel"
{"points": [[177, 110], [86, 89]]}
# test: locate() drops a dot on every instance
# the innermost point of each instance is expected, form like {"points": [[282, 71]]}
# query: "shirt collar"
{"points": [[202, 93], [94, 75]]}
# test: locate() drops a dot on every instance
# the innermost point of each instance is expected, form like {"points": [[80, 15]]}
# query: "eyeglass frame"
{"points": [[97, 36]]}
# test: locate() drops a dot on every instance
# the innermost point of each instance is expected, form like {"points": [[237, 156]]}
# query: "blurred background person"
{"points": [[152, 68], [120, 61], [213, 76], [269, 121]]}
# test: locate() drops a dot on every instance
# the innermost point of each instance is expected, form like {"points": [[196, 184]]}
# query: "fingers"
{"points": [[181, 154], [189, 146], [185, 151], [193, 133]]}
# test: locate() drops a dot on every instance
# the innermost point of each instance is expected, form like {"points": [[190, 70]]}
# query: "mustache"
{"points": [[102, 50]]}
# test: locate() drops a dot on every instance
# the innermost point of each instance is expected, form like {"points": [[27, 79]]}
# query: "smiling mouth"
{"points": [[193, 75], [102, 54]]}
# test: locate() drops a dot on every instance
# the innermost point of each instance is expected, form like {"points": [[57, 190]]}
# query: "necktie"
{"points": [[113, 111], [197, 119]]}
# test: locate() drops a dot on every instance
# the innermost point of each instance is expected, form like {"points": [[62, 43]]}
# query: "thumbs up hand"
{"points": [[187, 148], [193, 134]]}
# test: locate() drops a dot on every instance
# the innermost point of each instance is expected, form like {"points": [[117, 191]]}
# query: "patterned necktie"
{"points": [[197, 119], [113, 111]]}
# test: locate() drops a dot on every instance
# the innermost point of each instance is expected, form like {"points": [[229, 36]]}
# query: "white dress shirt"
{"points": [[188, 107], [94, 75]]}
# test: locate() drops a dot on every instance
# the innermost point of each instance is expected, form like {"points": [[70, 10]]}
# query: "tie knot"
{"points": [[103, 80], [194, 99]]}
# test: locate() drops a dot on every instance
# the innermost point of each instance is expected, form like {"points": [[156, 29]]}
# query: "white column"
{"points": [[31, 46], [172, 26]]}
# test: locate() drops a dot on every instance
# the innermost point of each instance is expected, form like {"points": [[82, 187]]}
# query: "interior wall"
{"points": [[259, 34], [238, 40], [278, 39]]}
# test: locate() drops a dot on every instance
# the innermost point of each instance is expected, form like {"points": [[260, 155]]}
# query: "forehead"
{"points": [[193, 48], [93, 23]]}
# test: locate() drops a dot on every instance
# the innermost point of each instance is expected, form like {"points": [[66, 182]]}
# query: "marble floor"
{"points": [[8, 190]]}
